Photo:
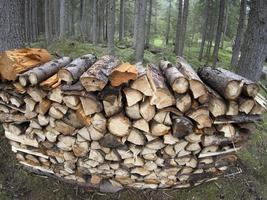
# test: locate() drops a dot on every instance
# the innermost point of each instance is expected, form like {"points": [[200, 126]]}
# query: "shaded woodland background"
{"points": [[225, 33], [205, 26]]}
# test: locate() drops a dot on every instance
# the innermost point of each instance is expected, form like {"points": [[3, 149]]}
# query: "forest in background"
{"points": [[207, 28]]}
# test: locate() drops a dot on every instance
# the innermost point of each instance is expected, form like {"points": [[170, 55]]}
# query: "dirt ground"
{"points": [[251, 183]]}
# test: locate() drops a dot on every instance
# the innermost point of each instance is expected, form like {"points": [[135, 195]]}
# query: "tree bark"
{"points": [[219, 32], [111, 27], [136, 16], [148, 24], [62, 19], [205, 30], [122, 23], [239, 33], [254, 48], [179, 27], [140, 34], [184, 25], [168, 23], [12, 24], [94, 22]]}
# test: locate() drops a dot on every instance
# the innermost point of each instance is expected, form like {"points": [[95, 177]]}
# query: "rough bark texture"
{"points": [[239, 33], [11, 24], [168, 23], [178, 28], [122, 20], [219, 32], [140, 34], [148, 24], [111, 27], [62, 18], [184, 25], [254, 48]]}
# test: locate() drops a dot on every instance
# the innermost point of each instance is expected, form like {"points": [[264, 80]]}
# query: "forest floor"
{"points": [[251, 183]]}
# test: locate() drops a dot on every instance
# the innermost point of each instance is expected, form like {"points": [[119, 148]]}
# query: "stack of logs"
{"points": [[109, 125]]}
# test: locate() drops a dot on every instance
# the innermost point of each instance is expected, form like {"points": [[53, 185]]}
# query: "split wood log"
{"points": [[119, 125], [257, 109], [232, 108], [227, 129], [147, 111], [245, 105], [142, 125], [96, 77], [71, 88], [235, 119], [142, 84], [72, 72], [8, 117], [43, 106], [201, 116], [203, 155], [21, 139], [176, 79], [181, 126], [163, 117], [55, 95], [86, 120], [122, 74], [64, 128], [195, 83], [158, 129], [43, 72], [132, 96], [183, 102], [71, 101], [36, 94], [14, 62], [162, 96], [51, 83], [112, 100], [91, 104], [222, 81]]}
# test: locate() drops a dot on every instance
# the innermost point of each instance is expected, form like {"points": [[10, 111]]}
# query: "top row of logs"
{"points": [[94, 75]]}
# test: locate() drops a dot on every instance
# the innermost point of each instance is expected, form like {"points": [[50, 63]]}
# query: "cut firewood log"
{"points": [[232, 108], [222, 81], [71, 101], [163, 117], [158, 129], [36, 94], [51, 83], [133, 111], [257, 109], [8, 117], [5, 109], [162, 97], [112, 100], [142, 84], [21, 139], [70, 88], [216, 103], [43, 72], [30, 104], [201, 116], [16, 101], [136, 137], [181, 126], [65, 142], [43, 106], [99, 122], [183, 102], [147, 111], [71, 119], [195, 83], [227, 129], [175, 78], [72, 72], [86, 120], [235, 119], [43, 120], [55, 95], [14, 62], [96, 77], [245, 105], [132, 96], [57, 111], [122, 74], [142, 125], [119, 125], [90, 104]]}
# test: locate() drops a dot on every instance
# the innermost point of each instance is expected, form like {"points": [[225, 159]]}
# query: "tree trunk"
{"points": [[254, 48], [136, 15], [122, 24], [56, 17], [62, 19], [178, 27], [168, 23], [205, 29], [82, 19], [94, 22], [219, 32], [111, 27], [148, 24], [239, 33], [184, 25], [12, 24], [140, 32], [225, 23], [47, 32]]}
